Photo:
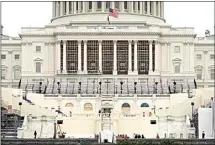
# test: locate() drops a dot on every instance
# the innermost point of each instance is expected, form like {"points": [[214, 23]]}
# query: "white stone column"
{"points": [[57, 62], [141, 7], [163, 57], [122, 6], [53, 9], [168, 56], [61, 8], [129, 57], [159, 9], [148, 8], [74, 10], [67, 7], [191, 54], [113, 4], [103, 6], [157, 56], [115, 58], [131, 7], [85, 56], [64, 56], [10, 67], [162, 9], [79, 7], [57, 9], [136, 7], [185, 58], [135, 57], [84, 7], [150, 55], [100, 56], [79, 56], [205, 71], [154, 8], [94, 6]]}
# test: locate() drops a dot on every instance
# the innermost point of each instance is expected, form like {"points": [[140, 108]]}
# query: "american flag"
{"points": [[114, 13]]}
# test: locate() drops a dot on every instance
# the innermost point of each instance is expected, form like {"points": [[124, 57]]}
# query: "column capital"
{"points": [[135, 41], [100, 41], [205, 52], [114, 41], [10, 52], [85, 41], [150, 41], [129, 41], [64, 41], [156, 41], [58, 42], [79, 41]]}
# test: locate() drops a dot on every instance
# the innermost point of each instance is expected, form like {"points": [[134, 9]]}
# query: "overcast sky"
{"points": [[15, 15]]}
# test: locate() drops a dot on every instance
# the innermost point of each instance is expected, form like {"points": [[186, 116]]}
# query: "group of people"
{"points": [[122, 136], [139, 136]]}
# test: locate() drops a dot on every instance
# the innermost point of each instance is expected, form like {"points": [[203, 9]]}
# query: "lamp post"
{"points": [[100, 87], [79, 89], [156, 86], [192, 104], [20, 107], [121, 83], [174, 86], [135, 87]]}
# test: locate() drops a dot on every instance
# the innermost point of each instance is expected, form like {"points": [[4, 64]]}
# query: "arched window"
{"points": [[69, 105], [88, 107], [126, 107], [144, 105]]}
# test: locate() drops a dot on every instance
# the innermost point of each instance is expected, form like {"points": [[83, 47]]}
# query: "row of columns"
{"points": [[157, 58], [58, 8]]}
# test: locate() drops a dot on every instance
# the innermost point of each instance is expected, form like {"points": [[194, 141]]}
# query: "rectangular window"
{"points": [[134, 6], [177, 68], [212, 56], [99, 5], [177, 49], [126, 5], [107, 5], [90, 5], [3, 56], [198, 56], [117, 5], [16, 56], [212, 74], [3, 74], [38, 67], [38, 48]]}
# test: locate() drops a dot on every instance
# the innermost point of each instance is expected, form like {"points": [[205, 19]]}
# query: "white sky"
{"points": [[15, 15]]}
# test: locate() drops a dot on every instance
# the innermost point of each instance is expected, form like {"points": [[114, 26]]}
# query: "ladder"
{"points": [[106, 108]]}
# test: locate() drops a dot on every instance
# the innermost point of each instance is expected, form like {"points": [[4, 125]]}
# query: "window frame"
{"points": [[38, 47], [4, 56], [199, 55], [36, 66], [16, 55]]}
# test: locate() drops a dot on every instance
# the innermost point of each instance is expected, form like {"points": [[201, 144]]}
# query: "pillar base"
{"points": [[130, 72], [114, 72], [154, 73], [81, 72]]}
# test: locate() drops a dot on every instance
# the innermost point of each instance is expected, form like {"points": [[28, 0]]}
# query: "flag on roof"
{"points": [[114, 13]]}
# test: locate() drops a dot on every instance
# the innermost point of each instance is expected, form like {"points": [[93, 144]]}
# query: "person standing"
{"points": [[35, 134], [203, 134]]}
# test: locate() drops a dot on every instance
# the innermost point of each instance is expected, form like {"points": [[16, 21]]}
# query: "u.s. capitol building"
{"points": [[137, 63]]}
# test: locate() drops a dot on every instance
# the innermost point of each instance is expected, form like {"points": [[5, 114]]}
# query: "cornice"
{"points": [[107, 33], [183, 35]]}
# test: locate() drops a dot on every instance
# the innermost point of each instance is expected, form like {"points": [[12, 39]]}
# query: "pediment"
{"points": [[177, 60], [38, 59]]}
